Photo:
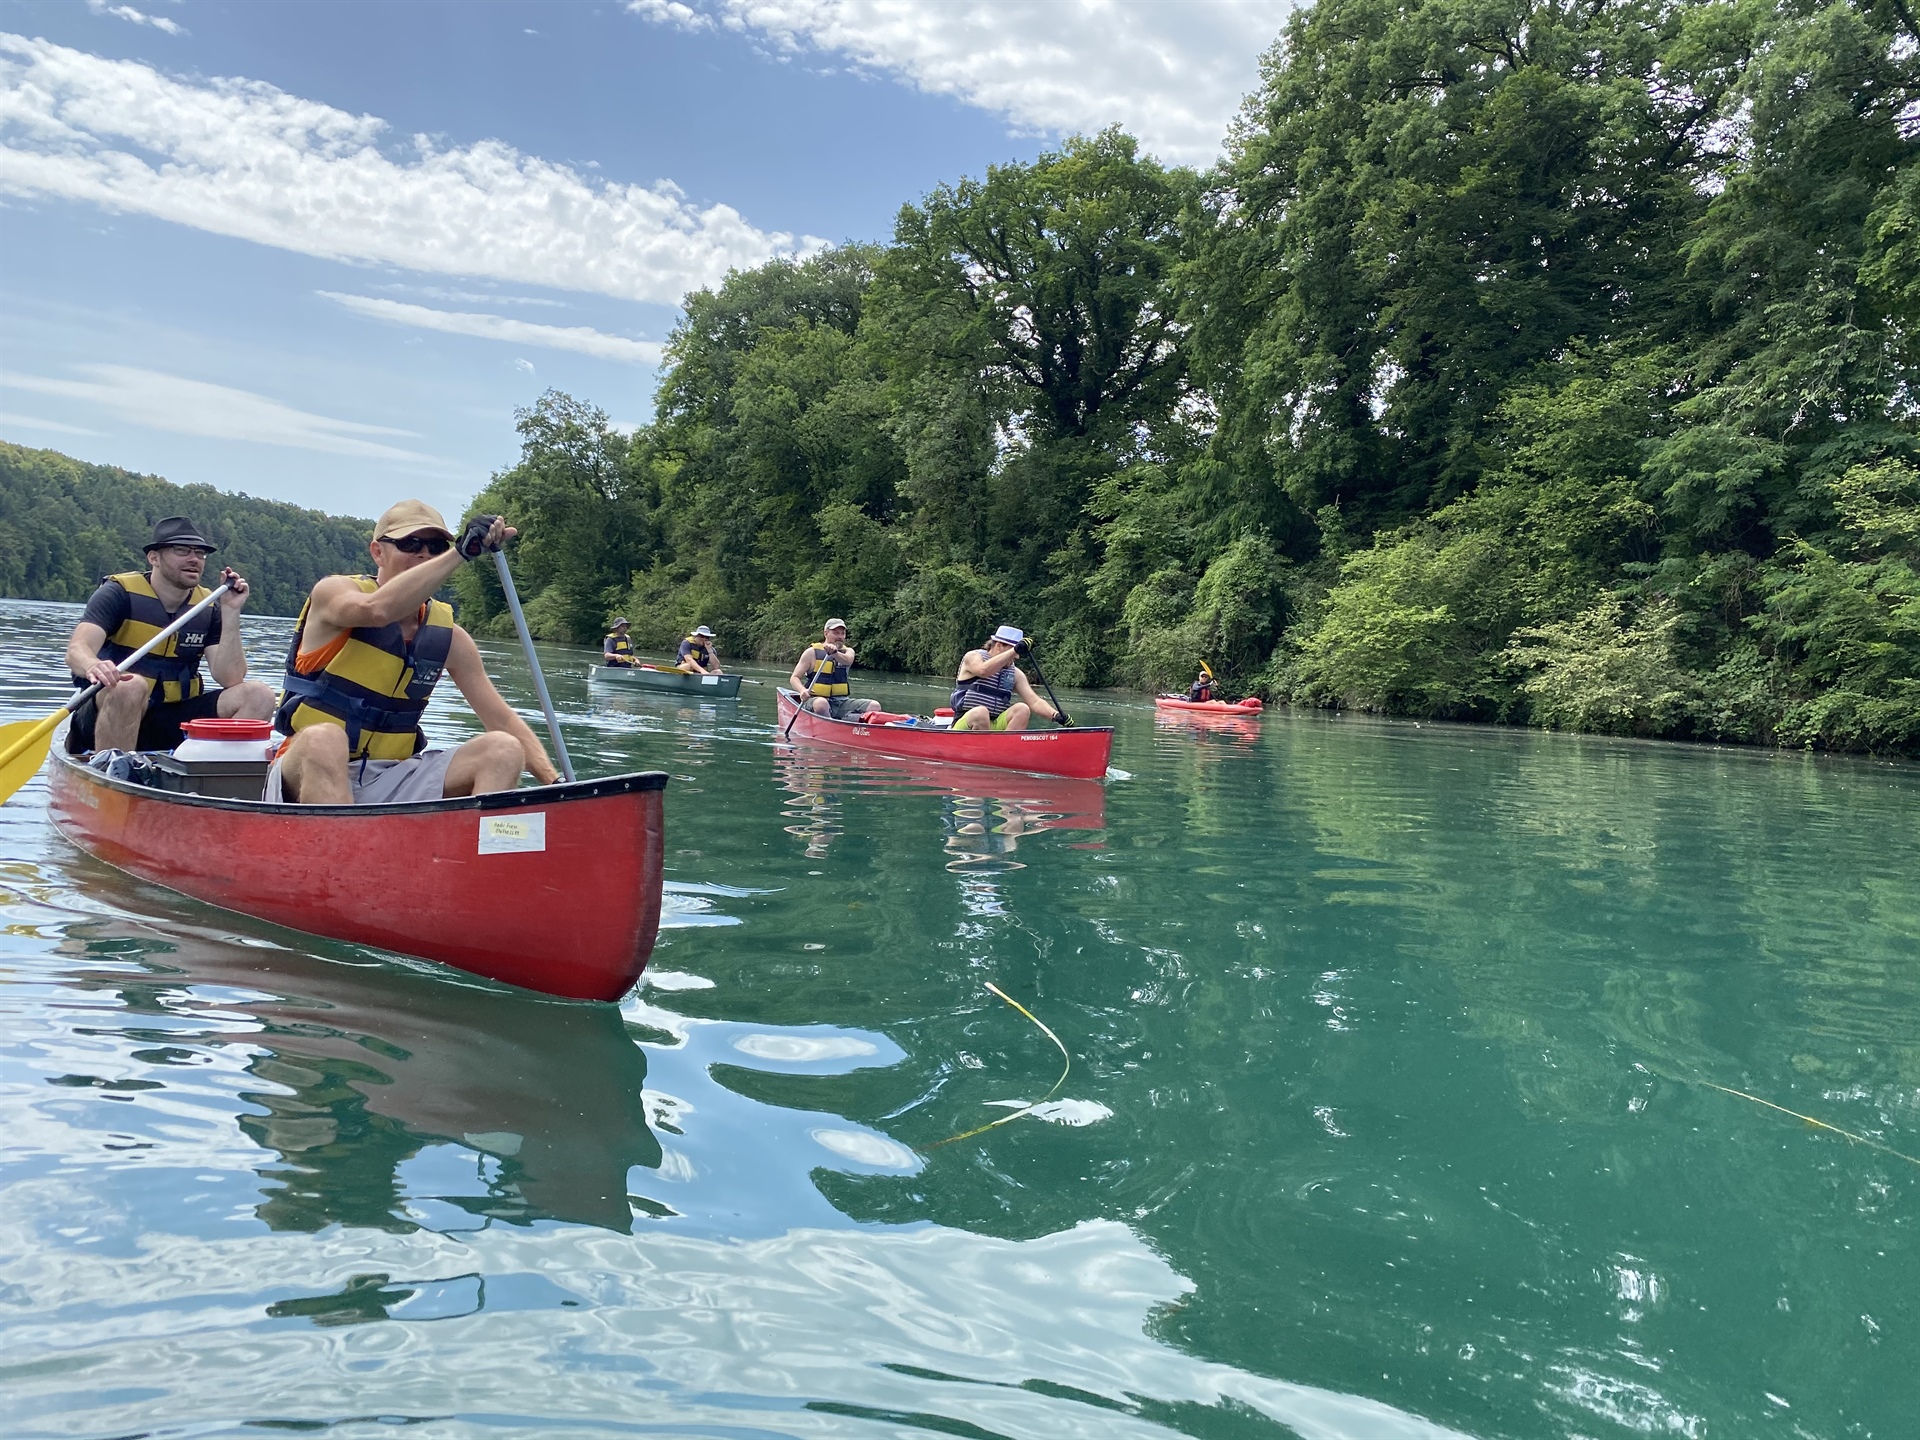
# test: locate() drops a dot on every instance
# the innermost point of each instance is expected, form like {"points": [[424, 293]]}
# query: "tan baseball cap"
{"points": [[409, 517]]}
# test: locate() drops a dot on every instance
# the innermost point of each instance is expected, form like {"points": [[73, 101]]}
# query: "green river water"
{"points": [[1390, 1111]]}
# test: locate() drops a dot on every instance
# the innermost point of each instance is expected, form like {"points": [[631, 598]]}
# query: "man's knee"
{"points": [[497, 749], [1018, 714], [124, 701], [251, 700], [318, 745]]}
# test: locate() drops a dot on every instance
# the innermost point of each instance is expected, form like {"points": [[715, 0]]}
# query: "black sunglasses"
{"points": [[414, 544]]}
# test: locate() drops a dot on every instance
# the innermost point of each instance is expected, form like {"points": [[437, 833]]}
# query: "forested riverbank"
{"points": [[1531, 362], [65, 523]]}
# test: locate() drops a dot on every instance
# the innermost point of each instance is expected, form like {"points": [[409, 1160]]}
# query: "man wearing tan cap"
{"points": [[825, 672], [365, 657]]}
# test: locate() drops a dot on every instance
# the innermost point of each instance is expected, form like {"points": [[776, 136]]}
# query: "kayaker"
{"points": [[825, 672], [697, 655], [1201, 690], [366, 655], [143, 708], [617, 649], [990, 692]]}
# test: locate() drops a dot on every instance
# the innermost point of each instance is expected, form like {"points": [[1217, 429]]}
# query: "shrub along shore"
{"points": [[1536, 363]]}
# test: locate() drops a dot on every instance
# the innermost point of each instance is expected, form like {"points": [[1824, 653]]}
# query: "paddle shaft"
{"points": [[80, 697], [805, 698], [1059, 710], [533, 664]]}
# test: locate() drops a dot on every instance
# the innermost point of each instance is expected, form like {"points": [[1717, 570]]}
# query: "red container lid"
{"points": [[228, 729]]}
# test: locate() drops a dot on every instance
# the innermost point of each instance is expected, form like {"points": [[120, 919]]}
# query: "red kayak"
{"points": [[555, 889], [1079, 751], [1249, 706]]}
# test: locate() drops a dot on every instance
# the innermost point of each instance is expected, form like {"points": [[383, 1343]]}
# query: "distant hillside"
{"points": [[64, 524]]}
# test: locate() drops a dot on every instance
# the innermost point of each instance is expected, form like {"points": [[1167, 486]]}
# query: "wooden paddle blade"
{"points": [[24, 744]]}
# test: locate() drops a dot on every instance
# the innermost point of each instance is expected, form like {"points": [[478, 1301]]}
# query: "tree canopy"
{"points": [[1521, 360], [64, 524]]}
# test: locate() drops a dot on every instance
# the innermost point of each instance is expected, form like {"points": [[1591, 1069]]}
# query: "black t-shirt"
{"points": [[110, 606]]}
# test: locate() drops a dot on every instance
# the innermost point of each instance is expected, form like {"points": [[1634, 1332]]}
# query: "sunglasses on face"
{"points": [[414, 544]]}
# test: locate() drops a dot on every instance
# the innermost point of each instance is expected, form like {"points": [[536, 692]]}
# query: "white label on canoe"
{"points": [[512, 834], [709, 679]]}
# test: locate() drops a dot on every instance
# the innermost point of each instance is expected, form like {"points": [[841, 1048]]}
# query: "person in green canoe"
{"points": [[617, 649], [825, 671], [697, 653]]}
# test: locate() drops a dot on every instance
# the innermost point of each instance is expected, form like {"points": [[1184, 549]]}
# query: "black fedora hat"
{"points": [[178, 530]]}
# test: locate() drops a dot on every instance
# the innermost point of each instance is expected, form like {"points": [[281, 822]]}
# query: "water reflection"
{"points": [[981, 817], [359, 1073]]}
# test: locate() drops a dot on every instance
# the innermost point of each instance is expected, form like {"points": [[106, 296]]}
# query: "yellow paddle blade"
{"points": [[23, 750]]}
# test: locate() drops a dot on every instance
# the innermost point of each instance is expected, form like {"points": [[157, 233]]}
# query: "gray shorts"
{"points": [[384, 782], [845, 707]]}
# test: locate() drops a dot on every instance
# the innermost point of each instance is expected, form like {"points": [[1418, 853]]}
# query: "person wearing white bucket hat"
{"points": [[990, 693], [697, 653], [825, 673]]}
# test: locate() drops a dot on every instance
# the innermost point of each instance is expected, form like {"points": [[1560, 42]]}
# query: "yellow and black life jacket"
{"points": [[617, 644], [375, 683], [172, 670], [701, 651], [829, 680]]}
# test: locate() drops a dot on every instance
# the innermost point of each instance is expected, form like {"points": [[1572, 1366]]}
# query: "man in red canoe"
{"points": [[825, 671], [365, 656], [143, 708], [990, 692]]}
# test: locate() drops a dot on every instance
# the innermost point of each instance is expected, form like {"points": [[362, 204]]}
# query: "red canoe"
{"points": [[1249, 706], [1080, 751], [555, 889]]}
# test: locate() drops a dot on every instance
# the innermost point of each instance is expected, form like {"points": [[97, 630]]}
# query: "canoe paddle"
{"points": [[533, 664], [24, 744], [1059, 710], [807, 698]]}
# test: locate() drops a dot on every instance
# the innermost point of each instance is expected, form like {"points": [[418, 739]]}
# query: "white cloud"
{"points": [[217, 412], [1172, 72], [138, 17], [671, 12], [499, 327], [240, 158], [11, 421]]}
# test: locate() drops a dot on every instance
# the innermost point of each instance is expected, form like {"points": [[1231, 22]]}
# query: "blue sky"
{"points": [[321, 251]]}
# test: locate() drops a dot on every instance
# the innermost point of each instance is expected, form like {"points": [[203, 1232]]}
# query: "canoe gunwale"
{"points": [[637, 781]]}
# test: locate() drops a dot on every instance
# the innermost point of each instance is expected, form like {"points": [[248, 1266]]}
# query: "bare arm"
{"points": [[804, 669], [83, 656], [467, 672], [227, 660], [977, 665], [339, 605], [1025, 692]]}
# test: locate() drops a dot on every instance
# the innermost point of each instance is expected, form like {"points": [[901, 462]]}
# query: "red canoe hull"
{"points": [[1081, 752], [1249, 706], [555, 889]]}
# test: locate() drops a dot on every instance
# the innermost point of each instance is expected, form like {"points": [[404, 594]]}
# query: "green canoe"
{"points": [[667, 682]]}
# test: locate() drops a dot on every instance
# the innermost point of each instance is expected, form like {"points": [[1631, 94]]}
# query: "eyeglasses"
{"points": [[414, 544]]}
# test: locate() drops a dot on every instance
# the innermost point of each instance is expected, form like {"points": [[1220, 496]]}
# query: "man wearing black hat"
{"points": [[143, 707]]}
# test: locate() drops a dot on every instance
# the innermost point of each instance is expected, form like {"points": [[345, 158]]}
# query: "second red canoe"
{"points": [[1079, 750]]}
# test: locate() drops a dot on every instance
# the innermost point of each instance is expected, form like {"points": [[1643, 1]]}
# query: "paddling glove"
{"points": [[473, 544]]}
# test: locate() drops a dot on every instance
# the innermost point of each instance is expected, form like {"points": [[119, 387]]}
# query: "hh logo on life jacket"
{"points": [[190, 639]]}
